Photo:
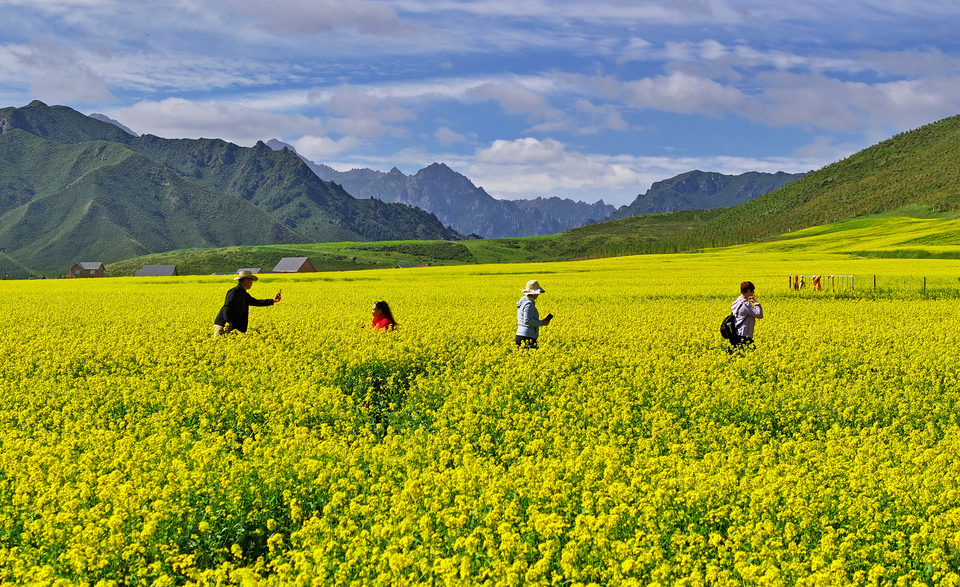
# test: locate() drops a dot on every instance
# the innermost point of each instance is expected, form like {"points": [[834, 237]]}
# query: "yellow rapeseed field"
{"points": [[630, 449]]}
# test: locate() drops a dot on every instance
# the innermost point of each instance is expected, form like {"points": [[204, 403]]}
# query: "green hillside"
{"points": [[61, 124], [916, 173], [102, 201], [280, 183], [877, 236], [73, 188], [343, 256]]}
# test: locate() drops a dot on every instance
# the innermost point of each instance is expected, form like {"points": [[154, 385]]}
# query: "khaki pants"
{"points": [[220, 330]]}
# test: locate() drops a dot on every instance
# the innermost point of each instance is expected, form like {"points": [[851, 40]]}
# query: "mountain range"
{"points": [[75, 188], [460, 204], [457, 202], [704, 190]]}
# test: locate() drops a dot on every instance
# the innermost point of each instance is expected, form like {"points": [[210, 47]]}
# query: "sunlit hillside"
{"points": [[874, 236]]}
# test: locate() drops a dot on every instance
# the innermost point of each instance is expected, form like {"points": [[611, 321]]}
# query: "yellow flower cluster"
{"points": [[630, 449]]}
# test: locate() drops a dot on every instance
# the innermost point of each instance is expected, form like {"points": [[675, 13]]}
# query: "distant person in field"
{"points": [[528, 317], [236, 308], [382, 317], [746, 309]]}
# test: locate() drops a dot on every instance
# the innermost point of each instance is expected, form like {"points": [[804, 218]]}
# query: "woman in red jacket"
{"points": [[382, 317]]}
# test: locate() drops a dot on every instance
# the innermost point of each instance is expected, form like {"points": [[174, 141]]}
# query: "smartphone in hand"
{"points": [[548, 318]]}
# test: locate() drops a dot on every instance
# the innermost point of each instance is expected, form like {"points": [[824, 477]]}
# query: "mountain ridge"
{"points": [[218, 183], [703, 190], [458, 202]]}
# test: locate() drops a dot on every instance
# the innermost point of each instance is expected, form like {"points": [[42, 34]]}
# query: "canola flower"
{"points": [[630, 449]]}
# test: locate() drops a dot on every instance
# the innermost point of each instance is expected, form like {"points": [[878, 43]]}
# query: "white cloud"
{"points": [[313, 17], [319, 148], [14, 71], [604, 117], [58, 74], [824, 148], [448, 137], [513, 96], [351, 101], [636, 50], [360, 112], [685, 93], [179, 118], [911, 62], [522, 151], [57, 5], [528, 168], [158, 73], [598, 11], [816, 100], [711, 55]]}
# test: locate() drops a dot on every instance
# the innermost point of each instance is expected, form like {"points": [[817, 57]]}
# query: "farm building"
{"points": [[294, 265], [87, 269], [158, 271]]}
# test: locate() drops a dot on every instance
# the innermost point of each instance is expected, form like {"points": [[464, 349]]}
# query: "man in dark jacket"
{"points": [[236, 308]]}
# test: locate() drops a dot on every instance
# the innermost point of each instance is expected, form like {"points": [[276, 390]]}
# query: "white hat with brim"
{"points": [[533, 287], [245, 274]]}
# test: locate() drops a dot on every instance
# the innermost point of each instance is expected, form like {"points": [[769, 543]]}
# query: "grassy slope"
{"points": [[88, 201], [918, 170], [324, 256], [877, 236], [914, 173], [280, 183]]}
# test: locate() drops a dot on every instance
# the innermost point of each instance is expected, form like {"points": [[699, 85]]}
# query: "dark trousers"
{"points": [[526, 342], [741, 343]]}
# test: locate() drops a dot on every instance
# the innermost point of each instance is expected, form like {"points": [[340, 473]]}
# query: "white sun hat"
{"points": [[245, 273], [533, 287]]}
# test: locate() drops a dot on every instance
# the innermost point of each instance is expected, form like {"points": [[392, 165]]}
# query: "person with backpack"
{"points": [[744, 312]]}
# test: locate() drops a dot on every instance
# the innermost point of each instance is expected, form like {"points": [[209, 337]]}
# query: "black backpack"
{"points": [[729, 327]]}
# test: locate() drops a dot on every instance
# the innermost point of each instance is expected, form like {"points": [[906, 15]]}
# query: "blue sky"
{"points": [[580, 99]]}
